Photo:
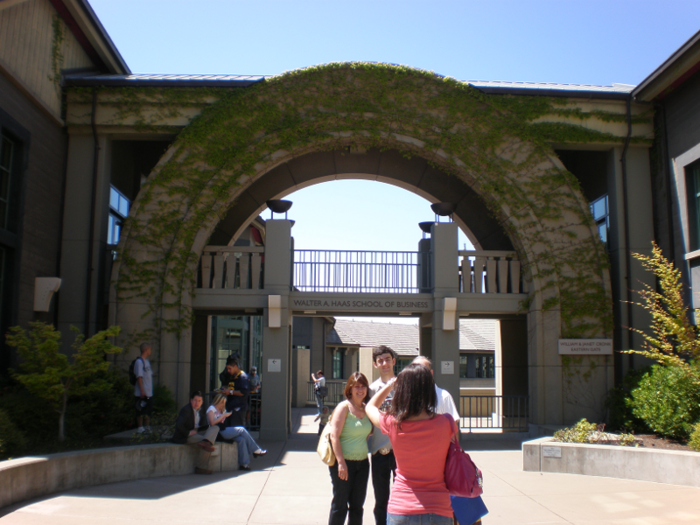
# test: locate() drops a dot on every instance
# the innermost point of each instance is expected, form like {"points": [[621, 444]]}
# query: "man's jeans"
{"points": [[349, 495], [246, 443], [319, 403], [382, 468]]}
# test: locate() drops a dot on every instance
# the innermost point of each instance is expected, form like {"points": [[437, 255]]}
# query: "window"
{"points": [[692, 182], [118, 211], [338, 358], [600, 212], [477, 366]]}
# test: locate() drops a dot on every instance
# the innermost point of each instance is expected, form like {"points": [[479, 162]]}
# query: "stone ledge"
{"points": [[660, 466], [32, 477]]}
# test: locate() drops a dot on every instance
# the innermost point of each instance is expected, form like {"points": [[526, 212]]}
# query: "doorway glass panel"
{"points": [[238, 336]]}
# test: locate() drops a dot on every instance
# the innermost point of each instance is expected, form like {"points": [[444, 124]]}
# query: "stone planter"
{"points": [[660, 466]]}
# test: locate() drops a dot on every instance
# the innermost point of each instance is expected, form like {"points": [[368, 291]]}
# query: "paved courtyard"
{"points": [[291, 486]]}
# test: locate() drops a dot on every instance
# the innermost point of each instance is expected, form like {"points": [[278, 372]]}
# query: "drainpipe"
{"points": [[90, 258], [628, 262], [669, 180]]}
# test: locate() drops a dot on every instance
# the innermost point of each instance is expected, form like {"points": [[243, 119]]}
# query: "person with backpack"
{"points": [[141, 376]]}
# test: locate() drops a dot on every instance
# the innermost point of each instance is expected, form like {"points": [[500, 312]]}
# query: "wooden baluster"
{"points": [[479, 274], [243, 265], [502, 275], [206, 270], [515, 276], [230, 272], [466, 275], [218, 271], [255, 264], [490, 275]]}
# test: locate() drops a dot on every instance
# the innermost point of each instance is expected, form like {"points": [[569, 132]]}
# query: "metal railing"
{"points": [[478, 413], [489, 272], [336, 392], [358, 271], [232, 267], [254, 414], [494, 413]]}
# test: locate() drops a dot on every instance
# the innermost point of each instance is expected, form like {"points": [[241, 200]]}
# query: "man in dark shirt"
{"points": [[192, 428], [235, 384]]}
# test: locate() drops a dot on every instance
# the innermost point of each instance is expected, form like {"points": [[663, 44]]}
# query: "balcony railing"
{"points": [[232, 267], [489, 272], [494, 413], [358, 271]]}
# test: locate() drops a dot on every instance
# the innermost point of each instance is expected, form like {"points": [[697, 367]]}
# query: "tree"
{"points": [[674, 340], [54, 377]]}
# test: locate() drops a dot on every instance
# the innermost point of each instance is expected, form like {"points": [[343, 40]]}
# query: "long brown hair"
{"points": [[414, 392], [357, 377]]}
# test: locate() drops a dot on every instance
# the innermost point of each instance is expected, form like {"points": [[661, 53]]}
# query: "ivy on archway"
{"points": [[493, 142]]}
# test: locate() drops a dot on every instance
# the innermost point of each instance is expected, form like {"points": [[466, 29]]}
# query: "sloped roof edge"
{"points": [[684, 62], [91, 34]]}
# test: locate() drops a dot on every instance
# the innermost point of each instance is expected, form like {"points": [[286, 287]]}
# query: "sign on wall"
{"points": [[585, 347]]}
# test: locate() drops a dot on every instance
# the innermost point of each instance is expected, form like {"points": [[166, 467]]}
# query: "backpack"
{"points": [[132, 374]]}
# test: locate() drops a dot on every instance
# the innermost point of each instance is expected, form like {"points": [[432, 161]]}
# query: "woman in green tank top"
{"points": [[350, 428]]}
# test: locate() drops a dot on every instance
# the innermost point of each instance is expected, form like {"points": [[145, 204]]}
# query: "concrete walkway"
{"points": [[291, 486]]}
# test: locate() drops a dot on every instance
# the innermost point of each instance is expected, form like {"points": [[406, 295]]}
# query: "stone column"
{"points": [[76, 266], [276, 356], [445, 343]]}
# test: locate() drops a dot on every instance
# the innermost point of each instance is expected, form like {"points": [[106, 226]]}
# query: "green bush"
{"points": [[621, 418], [579, 433], [163, 400], [12, 441], [694, 441], [668, 401]]}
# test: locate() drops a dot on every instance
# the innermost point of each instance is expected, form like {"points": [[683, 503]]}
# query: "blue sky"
{"points": [[568, 41]]}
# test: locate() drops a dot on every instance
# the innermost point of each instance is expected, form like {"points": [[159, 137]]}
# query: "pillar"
{"points": [[445, 342], [277, 340]]}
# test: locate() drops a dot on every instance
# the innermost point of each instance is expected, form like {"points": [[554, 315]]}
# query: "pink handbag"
{"points": [[462, 476]]}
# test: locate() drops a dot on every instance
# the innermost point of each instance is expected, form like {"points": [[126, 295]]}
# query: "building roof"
{"points": [[404, 339], [82, 21], [683, 63], [162, 80], [477, 334], [487, 86]]}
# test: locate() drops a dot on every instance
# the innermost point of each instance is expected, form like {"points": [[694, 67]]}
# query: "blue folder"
{"points": [[468, 510]]}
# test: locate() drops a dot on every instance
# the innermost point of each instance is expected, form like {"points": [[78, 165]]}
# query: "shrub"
{"points": [[619, 404], [163, 400], [12, 441], [668, 401], [579, 433], [694, 441]]}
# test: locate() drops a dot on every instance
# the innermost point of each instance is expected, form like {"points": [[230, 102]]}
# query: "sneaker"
{"points": [[244, 467], [140, 430], [259, 452], [203, 471]]}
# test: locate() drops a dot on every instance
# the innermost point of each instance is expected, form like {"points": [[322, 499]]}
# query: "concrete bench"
{"points": [[32, 477], [674, 467]]}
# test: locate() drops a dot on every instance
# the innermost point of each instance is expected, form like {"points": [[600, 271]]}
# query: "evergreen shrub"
{"points": [[668, 401], [694, 441], [12, 441]]}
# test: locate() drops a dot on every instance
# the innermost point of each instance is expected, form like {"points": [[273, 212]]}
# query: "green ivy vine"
{"points": [[492, 142]]}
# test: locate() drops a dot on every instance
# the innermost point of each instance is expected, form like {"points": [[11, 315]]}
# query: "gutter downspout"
{"points": [[628, 262], [90, 258]]}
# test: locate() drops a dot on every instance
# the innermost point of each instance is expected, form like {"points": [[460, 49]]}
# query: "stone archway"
{"points": [[484, 141]]}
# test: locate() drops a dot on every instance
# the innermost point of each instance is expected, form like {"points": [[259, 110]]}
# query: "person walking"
{"points": [[350, 473], [383, 461], [420, 439], [319, 382]]}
